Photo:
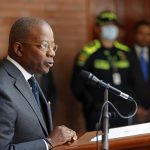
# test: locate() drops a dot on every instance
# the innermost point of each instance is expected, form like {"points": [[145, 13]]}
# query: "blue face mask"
{"points": [[109, 32]]}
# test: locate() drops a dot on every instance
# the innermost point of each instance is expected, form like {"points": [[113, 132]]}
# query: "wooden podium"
{"points": [[137, 141]]}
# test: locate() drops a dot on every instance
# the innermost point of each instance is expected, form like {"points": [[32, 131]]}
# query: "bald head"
{"points": [[22, 28]]}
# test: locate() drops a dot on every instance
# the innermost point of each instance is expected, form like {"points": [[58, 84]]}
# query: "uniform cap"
{"points": [[106, 17]]}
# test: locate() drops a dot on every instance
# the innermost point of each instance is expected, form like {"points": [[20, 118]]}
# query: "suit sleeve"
{"points": [[8, 117]]}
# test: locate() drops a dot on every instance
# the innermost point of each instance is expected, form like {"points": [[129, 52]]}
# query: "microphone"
{"points": [[92, 79]]}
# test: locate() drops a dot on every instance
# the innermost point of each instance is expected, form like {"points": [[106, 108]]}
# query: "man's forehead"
{"points": [[41, 33]]}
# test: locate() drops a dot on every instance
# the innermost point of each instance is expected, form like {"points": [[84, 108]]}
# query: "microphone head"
{"points": [[85, 76], [89, 78]]}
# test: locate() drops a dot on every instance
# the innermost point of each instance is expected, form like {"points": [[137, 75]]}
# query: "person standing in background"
{"points": [[107, 59], [140, 64]]}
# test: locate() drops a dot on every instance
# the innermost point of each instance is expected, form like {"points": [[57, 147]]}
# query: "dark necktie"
{"points": [[35, 89], [144, 65]]}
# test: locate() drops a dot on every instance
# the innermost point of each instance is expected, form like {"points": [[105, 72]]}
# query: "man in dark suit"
{"points": [[25, 120], [140, 63]]}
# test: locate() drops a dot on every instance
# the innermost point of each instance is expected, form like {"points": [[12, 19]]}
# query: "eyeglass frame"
{"points": [[42, 45]]}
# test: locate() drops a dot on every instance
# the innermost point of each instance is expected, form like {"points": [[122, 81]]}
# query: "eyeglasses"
{"points": [[44, 45]]}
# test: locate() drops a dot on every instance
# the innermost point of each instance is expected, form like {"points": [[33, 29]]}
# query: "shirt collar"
{"points": [[26, 74], [139, 49]]}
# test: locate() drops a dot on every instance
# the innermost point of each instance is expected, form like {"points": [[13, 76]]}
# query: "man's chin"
{"points": [[43, 71]]}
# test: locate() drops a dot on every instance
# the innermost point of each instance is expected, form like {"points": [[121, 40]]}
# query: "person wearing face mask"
{"points": [[108, 60]]}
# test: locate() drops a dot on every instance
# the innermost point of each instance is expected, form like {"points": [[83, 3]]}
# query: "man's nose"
{"points": [[51, 53]]}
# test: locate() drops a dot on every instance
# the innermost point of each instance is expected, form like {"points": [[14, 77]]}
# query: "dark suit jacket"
{"points": [[141, 87], [22, 125]]}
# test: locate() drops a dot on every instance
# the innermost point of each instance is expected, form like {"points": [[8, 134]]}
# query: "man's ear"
{"points": [[18, 49]]}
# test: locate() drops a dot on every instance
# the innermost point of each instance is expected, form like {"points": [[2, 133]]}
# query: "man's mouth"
{"points": [[50, 63]]}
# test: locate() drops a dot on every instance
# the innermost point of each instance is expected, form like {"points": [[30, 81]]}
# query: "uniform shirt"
{"points": [[103, 63]]}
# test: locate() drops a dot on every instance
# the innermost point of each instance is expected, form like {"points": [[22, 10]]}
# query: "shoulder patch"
{"points": [[121, 46], [87, 51], [91, 47]]}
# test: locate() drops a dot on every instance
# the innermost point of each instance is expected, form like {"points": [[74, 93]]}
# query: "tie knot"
{"points": [[32, 80], [35, 89], [142, 51], [32, 83]]}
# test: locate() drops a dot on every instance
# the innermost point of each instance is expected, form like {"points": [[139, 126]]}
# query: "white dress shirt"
{"points": [[138, 50], [26, 74]]}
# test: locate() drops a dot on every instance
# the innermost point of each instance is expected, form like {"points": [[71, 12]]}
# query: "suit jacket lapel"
{"points": [[22, 85], [47, 110], [137, 63], [24, 89]]}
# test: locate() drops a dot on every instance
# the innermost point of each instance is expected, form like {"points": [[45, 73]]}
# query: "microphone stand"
{"points": [[105, 128]]}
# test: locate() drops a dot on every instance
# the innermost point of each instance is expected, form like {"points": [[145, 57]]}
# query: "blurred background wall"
{"points": [[73, 23]]}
